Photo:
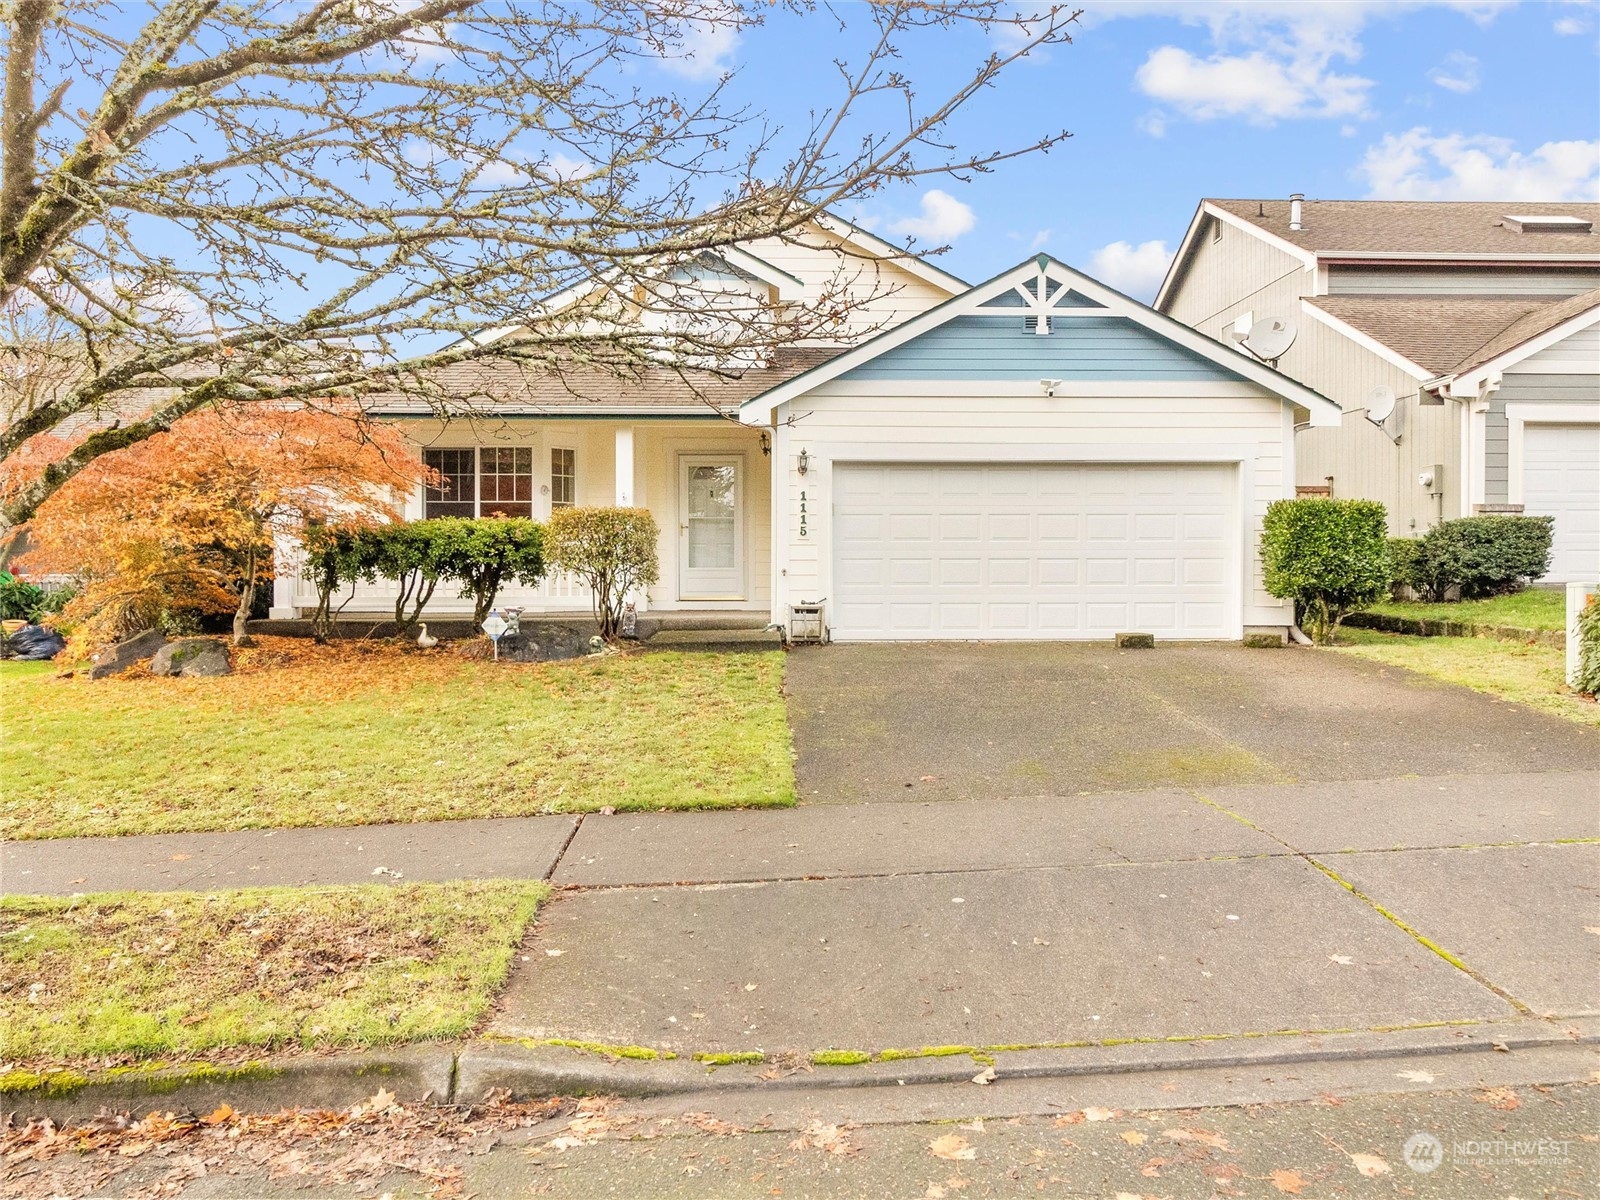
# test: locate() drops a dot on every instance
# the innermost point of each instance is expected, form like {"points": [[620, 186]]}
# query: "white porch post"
{"points": [[285, 579], [624, 466]]}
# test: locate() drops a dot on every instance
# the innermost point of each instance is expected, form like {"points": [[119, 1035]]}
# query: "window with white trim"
{"points": [[453, 491], [478, 481], [563, 477], [505, 481]]}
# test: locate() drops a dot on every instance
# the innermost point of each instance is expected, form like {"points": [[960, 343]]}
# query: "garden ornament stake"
{"points": [[494, 625]]}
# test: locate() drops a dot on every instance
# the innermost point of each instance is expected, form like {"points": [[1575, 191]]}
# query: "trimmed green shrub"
{"points": [[1330, 556], [336, 557], [1404, 555], [613, 550], [485, 554], [1483, 556], [1588, 680]]}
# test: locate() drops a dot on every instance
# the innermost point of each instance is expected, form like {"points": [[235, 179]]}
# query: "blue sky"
{"points": [[1169, 102]]}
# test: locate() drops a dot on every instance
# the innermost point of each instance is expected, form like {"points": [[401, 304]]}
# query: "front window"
{"points": [[563, 478], [489, 481], [455, 473], [505, 481]]}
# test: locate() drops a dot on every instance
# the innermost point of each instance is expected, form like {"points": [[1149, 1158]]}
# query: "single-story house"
{"points": [[1034, 457]]}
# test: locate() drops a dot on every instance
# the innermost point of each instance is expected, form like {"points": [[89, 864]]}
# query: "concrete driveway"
{"points": [[959, 721]]}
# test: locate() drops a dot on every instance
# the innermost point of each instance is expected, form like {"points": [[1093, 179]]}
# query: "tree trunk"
{"points": [[247, 601]]}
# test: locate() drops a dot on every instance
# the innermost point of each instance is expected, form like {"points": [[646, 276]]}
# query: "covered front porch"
{"points": [[706, 480]]}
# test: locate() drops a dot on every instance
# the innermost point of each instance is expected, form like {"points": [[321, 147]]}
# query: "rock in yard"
{"points": [[34, 643], [117, 659], [192, 657]]}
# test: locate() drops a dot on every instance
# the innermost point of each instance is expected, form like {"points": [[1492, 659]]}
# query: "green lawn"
{"points": [[354, 734], [1536, 608], [1530, 675], [140, 975]]}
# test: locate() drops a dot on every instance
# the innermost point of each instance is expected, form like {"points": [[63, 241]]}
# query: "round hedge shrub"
{"points": [[1330, 556]]}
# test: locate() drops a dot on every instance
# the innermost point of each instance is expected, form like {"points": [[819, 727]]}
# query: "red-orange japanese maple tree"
{"points": [[186, 520]]}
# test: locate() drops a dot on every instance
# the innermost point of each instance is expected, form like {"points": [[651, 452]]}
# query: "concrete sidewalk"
{"points": [[505, 848], [640, 849], [1231, 912]]}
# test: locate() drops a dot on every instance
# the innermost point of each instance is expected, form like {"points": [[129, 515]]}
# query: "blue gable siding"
{"points": [[997, 347]]}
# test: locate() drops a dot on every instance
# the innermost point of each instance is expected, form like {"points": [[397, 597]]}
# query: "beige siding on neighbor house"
{"points": [[1362, 459], [893, 294], [976, 422], [1226, 278], [1439, 281]]}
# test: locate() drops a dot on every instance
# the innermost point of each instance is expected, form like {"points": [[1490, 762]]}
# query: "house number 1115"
{"points": [[803, 532]]}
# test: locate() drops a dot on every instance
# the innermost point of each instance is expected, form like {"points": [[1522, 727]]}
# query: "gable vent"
{"points": [[1031, 325], [1548, 224]]}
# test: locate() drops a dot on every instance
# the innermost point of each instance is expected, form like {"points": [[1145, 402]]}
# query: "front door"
{"points": [[711, 528]]}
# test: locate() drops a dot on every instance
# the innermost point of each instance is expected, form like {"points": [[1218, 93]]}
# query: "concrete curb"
{"points": [[464, 1073], [1418, 627], [545, 1070], [336, 1081]]}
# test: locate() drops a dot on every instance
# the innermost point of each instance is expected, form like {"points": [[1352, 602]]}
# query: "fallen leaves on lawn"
{"points": [[325, 1148], [1133, 1137], [952, 1146], [1288, 1181]]}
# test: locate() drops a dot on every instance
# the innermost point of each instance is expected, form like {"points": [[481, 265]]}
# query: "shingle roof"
{"points": [[1540, 320], [1429, 227], [1451, 334], [516, 388], [1435, 332]]}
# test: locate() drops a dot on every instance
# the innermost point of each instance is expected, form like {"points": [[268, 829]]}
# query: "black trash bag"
{"points": [[34, 643]]}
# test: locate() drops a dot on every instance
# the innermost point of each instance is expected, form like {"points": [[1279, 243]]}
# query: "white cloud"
{"points": [[1269, 60], [1135, 270], [1458, 73], [1416, 165], [1039, 240], [1256, 86], [1571, 26], [704, 50], [943, 219]]}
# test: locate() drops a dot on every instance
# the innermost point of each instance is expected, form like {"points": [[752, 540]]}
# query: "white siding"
{"points": [[1576, 354], [973, 423], [657, 448]]}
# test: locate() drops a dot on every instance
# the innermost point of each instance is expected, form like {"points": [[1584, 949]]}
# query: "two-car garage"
{"points": [[1060, 550], [1038, 458]]}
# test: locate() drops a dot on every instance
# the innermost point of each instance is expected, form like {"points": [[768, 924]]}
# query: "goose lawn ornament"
{"points": [[423, 640]]}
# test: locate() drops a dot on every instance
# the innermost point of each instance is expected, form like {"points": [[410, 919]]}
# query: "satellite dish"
{"points": [[1270, 338], [1380, 403]]}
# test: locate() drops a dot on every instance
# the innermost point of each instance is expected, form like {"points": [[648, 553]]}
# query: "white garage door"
{"points": [[1561, 479], [1060, 551]]}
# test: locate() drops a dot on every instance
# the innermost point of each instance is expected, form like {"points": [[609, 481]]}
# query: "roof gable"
{"points": [[982, 330]]}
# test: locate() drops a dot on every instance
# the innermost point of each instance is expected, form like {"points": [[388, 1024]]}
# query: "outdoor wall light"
{"points": [[804, 463]]}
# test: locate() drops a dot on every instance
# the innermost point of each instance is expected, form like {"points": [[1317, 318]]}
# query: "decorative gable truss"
{"points": [[1044, 295]]}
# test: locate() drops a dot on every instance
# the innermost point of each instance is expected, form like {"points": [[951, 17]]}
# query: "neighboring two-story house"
{"points": [[1462, 341]]}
